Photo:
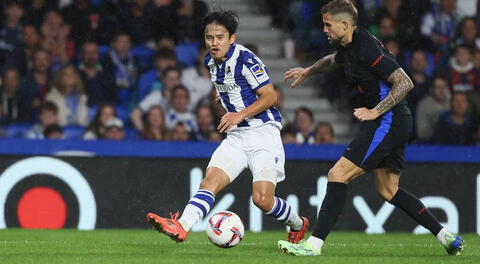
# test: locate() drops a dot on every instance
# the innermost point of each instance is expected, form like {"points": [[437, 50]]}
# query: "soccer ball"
{"points": [[225, 229]]}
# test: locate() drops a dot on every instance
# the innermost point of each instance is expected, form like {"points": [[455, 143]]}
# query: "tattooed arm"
{"points": [[299, 74], [401, 85]]}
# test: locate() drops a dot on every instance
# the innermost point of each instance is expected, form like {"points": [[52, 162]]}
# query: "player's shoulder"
{"points": [[246, 56], [367, 39], [207, 60]]}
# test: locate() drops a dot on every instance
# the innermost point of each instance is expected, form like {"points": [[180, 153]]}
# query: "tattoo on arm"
{"points": [[400, 88], [323, 64]]}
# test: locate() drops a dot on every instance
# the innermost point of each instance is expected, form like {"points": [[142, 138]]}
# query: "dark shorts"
{"points": [[381, 143]]}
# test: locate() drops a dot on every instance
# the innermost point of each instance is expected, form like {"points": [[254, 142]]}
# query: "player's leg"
{"points": [[263, 196], [221, 170], [266, 160], [343, 172], [386, 184]]}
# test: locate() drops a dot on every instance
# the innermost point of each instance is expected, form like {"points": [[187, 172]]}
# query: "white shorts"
{"points": [[259, 148]]}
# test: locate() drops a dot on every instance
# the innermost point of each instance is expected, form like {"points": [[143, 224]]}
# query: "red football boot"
{"points": [[169, 226], [296, 236]]}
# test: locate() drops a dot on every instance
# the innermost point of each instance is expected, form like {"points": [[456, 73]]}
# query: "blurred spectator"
{"points": [[303, 124], [68, 94], [35, 84], [99, 86], [48, 116], [280, 101], [421, 81], [205, 123], [462, 72], [389, 8], [53, 132], [394, 47], [109, 11], [171, 79], [10, 30], [385, 28], [85, 21], [96, 128], [22, 56], [161, 97], [114, 129], [152, 81], [13, 106], [36, 9], [197, 80], [214, 136], [56, 39], [324, 133], [123, 68], [410, 15], [468, 34], [164, 17], [179, 111], [439, 27], [431, 106], [289, 134], [179, 132], [190, 14], [154, 125], [455, 127], [136, 20]]}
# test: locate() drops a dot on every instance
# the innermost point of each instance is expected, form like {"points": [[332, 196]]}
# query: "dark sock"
{"points": [[416, 210], [331, 210]]}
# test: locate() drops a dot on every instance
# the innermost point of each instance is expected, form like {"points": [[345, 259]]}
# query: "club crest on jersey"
{"points": [[228, 72]]}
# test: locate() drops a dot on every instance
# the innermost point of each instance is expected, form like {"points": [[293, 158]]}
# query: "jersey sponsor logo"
{"points": [[223, 88]]}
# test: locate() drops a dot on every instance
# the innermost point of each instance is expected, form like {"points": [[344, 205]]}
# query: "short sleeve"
{"points": [[254, 71], [373, 55]]}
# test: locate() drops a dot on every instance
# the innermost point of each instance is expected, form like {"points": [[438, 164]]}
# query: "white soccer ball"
{"points": [[225, 229]]}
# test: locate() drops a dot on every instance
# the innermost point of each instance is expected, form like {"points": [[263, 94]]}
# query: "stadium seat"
{"points": [[187, 53], [17, 130], [144, 55], [73, 132]]}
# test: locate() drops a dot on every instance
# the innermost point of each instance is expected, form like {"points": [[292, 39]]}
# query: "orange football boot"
{"points": [[296, 236], [169, 226]]}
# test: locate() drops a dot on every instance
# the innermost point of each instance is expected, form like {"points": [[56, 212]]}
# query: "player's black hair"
{"points": [[226, 18]]}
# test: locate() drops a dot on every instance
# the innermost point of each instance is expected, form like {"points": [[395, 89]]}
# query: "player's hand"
{"points": [[365, 114], [297, 74], [229, 120]]}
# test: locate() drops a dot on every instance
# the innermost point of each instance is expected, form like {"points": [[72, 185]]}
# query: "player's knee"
{"points": [[262, 201], [387, 192], [335, 175]]}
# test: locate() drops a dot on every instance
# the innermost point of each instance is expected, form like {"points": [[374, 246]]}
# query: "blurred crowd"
{"points": [[111, 69], [133, 69], [437, 42]]}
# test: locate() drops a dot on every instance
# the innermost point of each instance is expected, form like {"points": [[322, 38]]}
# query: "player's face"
{"points": [[334, 28], [218, 41]]}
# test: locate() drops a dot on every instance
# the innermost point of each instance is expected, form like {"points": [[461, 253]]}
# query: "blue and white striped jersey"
{"points": [[237, 79]]}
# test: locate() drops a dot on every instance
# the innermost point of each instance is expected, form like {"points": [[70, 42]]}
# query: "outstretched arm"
{"points": [[401, 85], [299, 74]]}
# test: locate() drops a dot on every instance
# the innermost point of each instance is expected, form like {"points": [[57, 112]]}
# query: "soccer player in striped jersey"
{"points": [[253, 138]]}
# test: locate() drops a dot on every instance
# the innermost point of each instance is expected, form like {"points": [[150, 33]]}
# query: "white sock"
{"points": [[282, 211], [315, 242], [198, 207], [441, 236]]}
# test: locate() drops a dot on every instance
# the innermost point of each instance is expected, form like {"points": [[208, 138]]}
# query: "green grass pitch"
{"points": [[149, 246]]}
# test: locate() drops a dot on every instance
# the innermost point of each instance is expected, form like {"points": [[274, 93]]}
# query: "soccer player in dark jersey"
{"points": [[385, 130]]}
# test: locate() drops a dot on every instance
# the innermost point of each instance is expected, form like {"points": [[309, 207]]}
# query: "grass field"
{"points": [[148, 246]]}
